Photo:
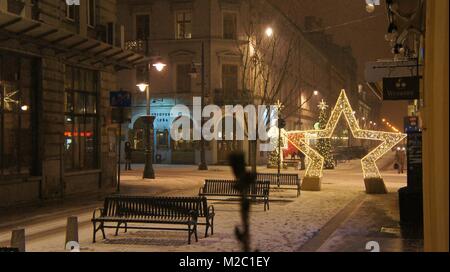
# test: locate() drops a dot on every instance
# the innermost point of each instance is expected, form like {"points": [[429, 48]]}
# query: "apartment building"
{"points": [[58, 63], [172, 32]]}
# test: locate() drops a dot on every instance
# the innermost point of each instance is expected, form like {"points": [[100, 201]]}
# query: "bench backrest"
{"points": [[149, 206], [228, 188], [285, 179]]}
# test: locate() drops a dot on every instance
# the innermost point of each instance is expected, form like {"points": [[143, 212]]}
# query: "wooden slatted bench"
{"points": [[285, 180], [227, 188], [123, 210]]}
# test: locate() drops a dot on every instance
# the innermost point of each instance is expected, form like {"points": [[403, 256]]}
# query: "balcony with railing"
{"points": [[137, 46]]}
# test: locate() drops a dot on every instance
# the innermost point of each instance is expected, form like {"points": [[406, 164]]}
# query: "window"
{"points": [[184, 25], [15, 6], [142, 27], [162, 138], [183, 78], [229, 78], [71, 12], [91, 13], [81, 119], [229, 25], [16, 114]]}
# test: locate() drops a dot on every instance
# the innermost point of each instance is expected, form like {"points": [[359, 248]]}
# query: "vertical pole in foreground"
{"points": [[18, 239], [120, 151], [202, 165], [279, 156]]}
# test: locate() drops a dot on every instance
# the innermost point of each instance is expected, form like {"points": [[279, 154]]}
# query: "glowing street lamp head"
{"points": [[24, 108], [370, 7], [159, 66], [142, 87], [269, 32], [316, 92]]}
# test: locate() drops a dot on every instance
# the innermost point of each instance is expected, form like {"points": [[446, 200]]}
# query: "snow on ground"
{"points": [[288, 224]]}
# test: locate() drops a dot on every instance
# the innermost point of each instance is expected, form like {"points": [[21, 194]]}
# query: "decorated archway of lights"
{"points": [[299, 139]]}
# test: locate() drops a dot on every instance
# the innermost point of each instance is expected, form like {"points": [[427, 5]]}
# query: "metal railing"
{"points": [[137, 46]]}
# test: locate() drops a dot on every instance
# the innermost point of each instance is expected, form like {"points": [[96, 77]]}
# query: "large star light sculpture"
{"points": [[314, 171]]}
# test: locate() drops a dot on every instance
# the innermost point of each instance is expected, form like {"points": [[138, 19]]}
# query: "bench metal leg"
{"points": [[103, 230], [207, 227], [100, 227], [94, 231], [195, 232], [117, 228], [189, 234], [212, 226]]}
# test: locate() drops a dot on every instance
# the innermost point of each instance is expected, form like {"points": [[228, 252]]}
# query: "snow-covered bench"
{"points": [[227, 188], [121, 210], [288, 180]]}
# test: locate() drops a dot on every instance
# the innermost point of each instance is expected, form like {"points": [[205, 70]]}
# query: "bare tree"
{"points": [[270, 62]]}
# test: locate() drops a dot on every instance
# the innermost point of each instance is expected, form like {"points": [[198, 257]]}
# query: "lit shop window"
{"points": [[16, 119], [81, 119]]}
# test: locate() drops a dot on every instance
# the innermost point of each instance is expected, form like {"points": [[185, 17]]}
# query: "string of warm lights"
{"points": [[300, 140], [389, 125]]}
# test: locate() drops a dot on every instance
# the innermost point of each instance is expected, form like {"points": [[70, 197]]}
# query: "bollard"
{"points": [[71, 230], [18, 239]]}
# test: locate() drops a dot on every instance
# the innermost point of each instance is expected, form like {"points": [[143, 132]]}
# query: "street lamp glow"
{"points": [[384, 120], [269, 32], [370, 7], [159, 66], [316, 93], [24, 108], [142, 87]]}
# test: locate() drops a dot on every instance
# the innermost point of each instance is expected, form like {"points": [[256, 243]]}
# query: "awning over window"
{"points": [[72, 46]]}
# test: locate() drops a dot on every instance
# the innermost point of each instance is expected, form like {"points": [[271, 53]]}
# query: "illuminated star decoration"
{"points": [[322, 105], [8, 99], [299, 139]]}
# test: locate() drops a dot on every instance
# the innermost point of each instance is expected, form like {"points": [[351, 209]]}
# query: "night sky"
{"points": [[351, 24]]}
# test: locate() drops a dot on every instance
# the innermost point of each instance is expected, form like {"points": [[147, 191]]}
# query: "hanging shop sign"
{"points": [[411, 124], [401, 88]]}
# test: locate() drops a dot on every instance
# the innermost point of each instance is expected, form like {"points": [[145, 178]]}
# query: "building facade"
{"points": [[172, 32], [58, 64]]}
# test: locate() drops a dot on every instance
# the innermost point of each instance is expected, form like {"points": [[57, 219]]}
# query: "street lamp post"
{"points": [[149, 172], [202, 166], [281, 125]]}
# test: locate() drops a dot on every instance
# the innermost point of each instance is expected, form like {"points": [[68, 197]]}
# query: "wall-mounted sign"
{"points": [[414, 155], [120, 99], [401, 88]]}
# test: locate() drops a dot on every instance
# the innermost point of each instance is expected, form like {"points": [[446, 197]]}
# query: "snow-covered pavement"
{"points": [[287, 226]]}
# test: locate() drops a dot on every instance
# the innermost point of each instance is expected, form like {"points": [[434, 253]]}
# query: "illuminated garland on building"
{"points": [[370, 170]]}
